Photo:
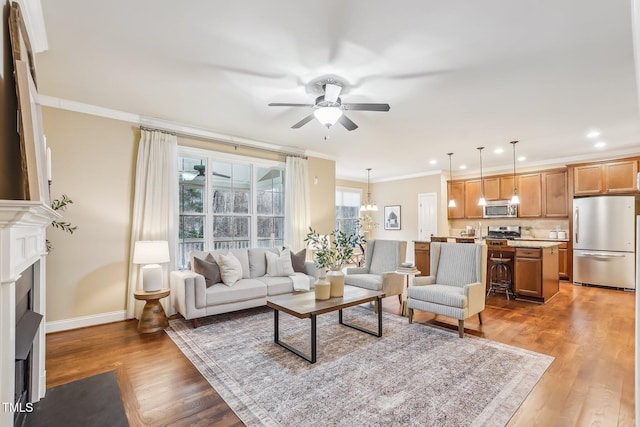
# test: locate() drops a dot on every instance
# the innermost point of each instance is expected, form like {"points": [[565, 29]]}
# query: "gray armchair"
{"points": [[456, 287], [382, 258]]}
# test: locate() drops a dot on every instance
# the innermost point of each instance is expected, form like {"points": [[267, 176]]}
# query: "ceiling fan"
{"points": [[200, 176], [330, 109]]}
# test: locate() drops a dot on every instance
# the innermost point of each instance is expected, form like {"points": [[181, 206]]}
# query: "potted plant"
{"points": [[332, 252]]}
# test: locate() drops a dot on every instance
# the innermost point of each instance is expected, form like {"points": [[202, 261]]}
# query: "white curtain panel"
{"points": [[296, 203], [155, 208]]}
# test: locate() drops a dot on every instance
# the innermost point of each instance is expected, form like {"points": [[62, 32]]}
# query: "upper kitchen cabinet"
{"points": [[620, 177], [587, 180], [555, 194], [530, 193], [617, 177], [498, 188], [472, 192], [457, 194]]}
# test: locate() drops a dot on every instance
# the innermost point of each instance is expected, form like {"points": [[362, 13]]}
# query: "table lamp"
{"points": [[151, 253]]}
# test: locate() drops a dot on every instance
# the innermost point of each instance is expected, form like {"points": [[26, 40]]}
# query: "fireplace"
{"points": [[22, 305]]}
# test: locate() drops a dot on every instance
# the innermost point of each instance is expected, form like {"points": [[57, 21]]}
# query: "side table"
{"points": [[153, 318], [408, 276]]}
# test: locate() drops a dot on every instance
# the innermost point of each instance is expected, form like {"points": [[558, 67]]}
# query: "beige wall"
{"points": [[323, 194], [405, 193], [94, 163]]}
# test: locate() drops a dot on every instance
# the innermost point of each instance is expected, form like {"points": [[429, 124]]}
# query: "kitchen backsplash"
{"points": [[540, 228]]}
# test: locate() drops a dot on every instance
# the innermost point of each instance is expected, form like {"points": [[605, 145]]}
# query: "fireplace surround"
{"points": [[23, 226]]}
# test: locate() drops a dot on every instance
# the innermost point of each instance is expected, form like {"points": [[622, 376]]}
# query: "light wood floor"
{"points": [[589, 331]]}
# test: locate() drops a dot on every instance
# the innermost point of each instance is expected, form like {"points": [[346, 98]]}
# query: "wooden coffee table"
{"points": [[305, 306]]}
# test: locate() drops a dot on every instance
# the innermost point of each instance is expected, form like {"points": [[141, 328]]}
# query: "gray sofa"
{"points": [[194, 299]]}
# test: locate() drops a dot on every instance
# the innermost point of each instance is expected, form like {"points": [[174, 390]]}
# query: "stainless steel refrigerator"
{"points": [[604, 241]]}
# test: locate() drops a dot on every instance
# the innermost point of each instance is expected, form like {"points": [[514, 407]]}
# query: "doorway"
{"points": [[427, 215]]}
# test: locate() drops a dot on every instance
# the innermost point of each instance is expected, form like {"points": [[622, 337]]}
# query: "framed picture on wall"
{"points": [[392, 217]]}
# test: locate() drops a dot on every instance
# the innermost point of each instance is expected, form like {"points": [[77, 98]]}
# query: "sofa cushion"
{"points": [[298, 260], [451, 296], [242, 290], [372, 282], [279, 265], [258, 261], [282, 285], [230, 268], [209, 268]]}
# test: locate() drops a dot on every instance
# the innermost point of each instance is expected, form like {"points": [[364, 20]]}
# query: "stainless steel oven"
{"points": [[500, 209]]}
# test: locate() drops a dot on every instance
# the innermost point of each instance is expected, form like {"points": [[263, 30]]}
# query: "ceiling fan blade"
{"points": [[347, 123], [221, 175], [284, 104], [303, 121], [367, 107], [331, 92]]}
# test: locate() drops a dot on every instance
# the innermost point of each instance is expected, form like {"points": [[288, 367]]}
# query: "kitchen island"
{"points": [[534, 265]]}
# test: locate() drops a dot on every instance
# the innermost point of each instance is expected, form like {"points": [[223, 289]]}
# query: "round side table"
{"points": [[153, 318]]}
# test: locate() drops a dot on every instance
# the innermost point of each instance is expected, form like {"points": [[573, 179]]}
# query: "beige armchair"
{"points": [[382, 258], [457, 285]]}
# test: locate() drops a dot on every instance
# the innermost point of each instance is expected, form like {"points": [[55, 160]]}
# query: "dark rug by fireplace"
{"points": [[90, 402], [414, 375]]}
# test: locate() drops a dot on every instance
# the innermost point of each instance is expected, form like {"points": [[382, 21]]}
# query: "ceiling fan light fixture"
{"points": [[188, 176], [328, 116]]}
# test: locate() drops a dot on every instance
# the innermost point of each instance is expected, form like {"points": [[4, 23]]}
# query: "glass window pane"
{"points": [[241, 202], [191, 198], [264, 200], [191, 227]]}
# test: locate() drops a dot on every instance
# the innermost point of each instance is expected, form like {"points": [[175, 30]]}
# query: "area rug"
{"points": [[415, 374], [90, 402]]}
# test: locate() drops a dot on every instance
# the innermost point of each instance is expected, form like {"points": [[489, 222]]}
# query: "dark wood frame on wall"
{"points": [[32, 144]]}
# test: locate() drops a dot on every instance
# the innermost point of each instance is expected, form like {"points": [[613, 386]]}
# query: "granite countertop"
{"points": [[538, 244], [541, 239]]}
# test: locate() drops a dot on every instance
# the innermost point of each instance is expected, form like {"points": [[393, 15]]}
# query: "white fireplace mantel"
{"points": [[23, 227]]}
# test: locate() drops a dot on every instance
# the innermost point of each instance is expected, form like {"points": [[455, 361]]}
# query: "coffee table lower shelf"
{"points": [[304, 306]]}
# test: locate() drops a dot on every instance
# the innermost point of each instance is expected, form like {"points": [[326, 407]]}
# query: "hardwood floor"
{"points": [[589, 331]]}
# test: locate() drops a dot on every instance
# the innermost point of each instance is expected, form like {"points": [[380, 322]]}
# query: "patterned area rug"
{"points": [[414, 375]]}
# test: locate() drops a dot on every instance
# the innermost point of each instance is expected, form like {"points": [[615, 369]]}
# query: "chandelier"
{"points": [[368, 206]]}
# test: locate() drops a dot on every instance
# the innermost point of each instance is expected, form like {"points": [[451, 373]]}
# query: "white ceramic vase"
{"points": [[323, 288], [336, 277]]}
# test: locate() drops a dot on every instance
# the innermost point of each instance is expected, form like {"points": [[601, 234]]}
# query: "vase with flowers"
{"points": [[331, 253]]}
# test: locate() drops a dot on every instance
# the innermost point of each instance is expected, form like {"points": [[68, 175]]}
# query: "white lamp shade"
{"points": [[151, 252], [515, 200], [452, 203], [328, 116]]}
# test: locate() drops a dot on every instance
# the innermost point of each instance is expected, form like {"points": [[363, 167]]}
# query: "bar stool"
{"points": [[465, 239], [500, 275], [438, 239]]}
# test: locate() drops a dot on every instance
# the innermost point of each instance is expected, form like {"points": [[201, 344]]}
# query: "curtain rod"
{"points": [[228, 143]]}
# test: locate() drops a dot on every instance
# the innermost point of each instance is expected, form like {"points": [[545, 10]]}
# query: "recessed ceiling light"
{"points": [[593, 134], [499, 150], [522, 158], [600, 144], [463, 166], [433, 162]]}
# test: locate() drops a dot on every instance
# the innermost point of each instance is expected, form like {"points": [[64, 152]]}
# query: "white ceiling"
{"points": [[457, 74]]}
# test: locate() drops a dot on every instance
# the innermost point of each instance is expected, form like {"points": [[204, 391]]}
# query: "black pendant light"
{"points": [[452, 203], [515, 200], [482, 201]]}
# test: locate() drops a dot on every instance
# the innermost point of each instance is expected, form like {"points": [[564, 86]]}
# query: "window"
{"points": [[228, 202], [347, 209]]}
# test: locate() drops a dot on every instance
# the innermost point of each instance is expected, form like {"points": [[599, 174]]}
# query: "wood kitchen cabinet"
{"points": [[472, 190], [492, 189], [506, 187], [421, 253], [563, 261], [536, 273], [620, 177], [617, 177], [456, 191], [530, 193], [555, 194]]}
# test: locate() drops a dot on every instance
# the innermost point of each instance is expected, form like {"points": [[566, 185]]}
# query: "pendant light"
{"points": [[515, 200], [452, 203], [368, 206], [482, 201]]}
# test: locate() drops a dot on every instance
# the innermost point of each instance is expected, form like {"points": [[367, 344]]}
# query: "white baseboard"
{"points": [[81, 322]]}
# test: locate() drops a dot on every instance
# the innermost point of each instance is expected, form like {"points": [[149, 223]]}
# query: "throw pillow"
{"points": [[209, 268], [279, 265], [230, 269], [298, 260]]}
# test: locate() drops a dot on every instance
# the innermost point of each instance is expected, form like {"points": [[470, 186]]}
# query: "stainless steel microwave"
{"points": [[500, 209]]}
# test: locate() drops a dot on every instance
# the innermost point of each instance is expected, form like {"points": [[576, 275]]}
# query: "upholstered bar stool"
{"points": [[500, 275]]}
